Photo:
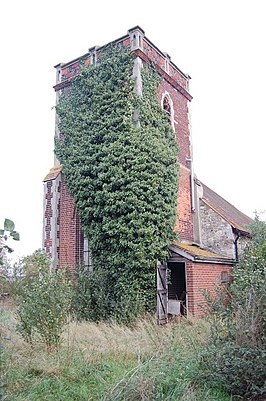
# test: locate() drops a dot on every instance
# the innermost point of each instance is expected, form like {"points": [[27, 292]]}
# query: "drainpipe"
{"points": [[236, 248]]}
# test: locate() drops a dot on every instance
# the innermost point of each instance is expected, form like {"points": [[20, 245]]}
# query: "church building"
{"points": [[212, 231]]}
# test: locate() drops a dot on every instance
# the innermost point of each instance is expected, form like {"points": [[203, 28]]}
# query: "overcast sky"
{"points": [[220, 44]]}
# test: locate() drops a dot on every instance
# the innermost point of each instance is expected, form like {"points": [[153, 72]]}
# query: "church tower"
{"points": [[62, 236], [203, 217]]}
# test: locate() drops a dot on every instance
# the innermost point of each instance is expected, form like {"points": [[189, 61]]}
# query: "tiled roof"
{"points": [[53, 173], [195, 252], [226, 210]]}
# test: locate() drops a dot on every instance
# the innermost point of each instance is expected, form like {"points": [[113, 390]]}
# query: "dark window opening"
{"points": [[177, 289]]}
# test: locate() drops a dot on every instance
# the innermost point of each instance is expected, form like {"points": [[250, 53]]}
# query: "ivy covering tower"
{"points": [[120, 162]]}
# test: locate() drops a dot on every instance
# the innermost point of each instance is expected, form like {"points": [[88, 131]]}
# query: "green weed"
{"points": [[109, 362]]}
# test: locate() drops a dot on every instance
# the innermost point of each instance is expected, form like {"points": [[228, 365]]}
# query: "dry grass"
{"points": [[102, 362], [101, 338], [93, 339]]}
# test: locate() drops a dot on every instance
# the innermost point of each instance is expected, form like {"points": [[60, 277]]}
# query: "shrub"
{"points": [[236, 352], [97, 297], [90, 301], [24, 271], [240, 369], [44, 307]]}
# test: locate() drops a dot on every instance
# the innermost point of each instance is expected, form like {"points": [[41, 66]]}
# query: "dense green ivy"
{"points": [[124, 179]]}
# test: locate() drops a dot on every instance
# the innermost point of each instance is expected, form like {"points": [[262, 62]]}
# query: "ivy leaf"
{"points": [[9, 225], [2, 232]]}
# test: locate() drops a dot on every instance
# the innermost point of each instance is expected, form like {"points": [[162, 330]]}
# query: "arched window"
{"points": [[167, 106]]}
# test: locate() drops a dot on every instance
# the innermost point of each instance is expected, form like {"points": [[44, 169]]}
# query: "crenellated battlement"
{"points": [[137, 42]]}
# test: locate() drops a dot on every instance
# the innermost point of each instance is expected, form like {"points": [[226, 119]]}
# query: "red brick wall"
{"points": [[202, 276], [159, 58], [181, 118], [184, 223], [70, 237]]}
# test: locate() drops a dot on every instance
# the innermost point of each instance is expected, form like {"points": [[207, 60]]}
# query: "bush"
{"points": [[23, 272], [44, 308], [240, 369], [96, 297], [90, 298], [236, 353]]}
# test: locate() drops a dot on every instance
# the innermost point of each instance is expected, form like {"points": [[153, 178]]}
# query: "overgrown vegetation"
{"points": [[44, 307], [110, 362], [5, 234], [43, 298], [124, 180], [236, 356], [23, 272], [220, 359]]}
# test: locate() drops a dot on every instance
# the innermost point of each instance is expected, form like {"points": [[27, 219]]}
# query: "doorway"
{"points": [[177, 288]]}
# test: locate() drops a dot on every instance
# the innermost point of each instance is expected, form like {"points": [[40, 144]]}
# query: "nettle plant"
{"points": [[124, 178]]}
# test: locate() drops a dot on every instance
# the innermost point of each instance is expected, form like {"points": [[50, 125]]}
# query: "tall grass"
{"points": [[108, 362]]}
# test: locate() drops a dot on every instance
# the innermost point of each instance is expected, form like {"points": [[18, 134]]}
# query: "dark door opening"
{"points": [[177, 289]]}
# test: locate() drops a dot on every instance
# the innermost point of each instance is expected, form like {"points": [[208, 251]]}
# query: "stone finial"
{"points": [[93, 54], [136, 37], [58, 72]]}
